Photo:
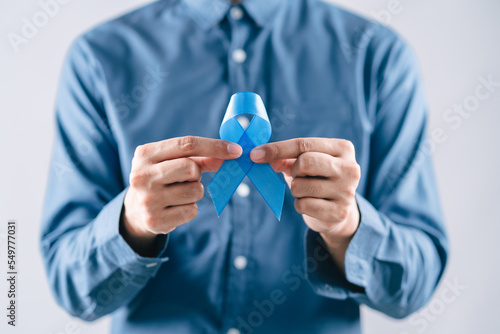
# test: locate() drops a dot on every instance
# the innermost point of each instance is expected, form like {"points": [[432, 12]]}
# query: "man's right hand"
{"points": [[165, 186]]}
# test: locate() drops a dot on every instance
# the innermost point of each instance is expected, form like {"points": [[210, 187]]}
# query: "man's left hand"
{"points": [[323, 175]]}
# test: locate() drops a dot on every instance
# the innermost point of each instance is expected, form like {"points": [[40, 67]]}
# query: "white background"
{"points": [[456, 42]]}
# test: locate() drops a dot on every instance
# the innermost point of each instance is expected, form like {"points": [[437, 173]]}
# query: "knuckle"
{"points": [[141, 151], [151, 223], [186, 144], [346, 145], [191, 169], [303, 145], [190, 212], [163, 173], [342, 213], [304, 164], [356, 172], [272, 151], [220, 147], [138, 177], [134, 180], [302, 205], [350, 192], [332, 168], [353, 170], [298, 205], [307, 204], [295, 187], [146, 203], [199, 191]]}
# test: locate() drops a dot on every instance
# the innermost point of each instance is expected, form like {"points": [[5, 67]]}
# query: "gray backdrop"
{"points": [[457, 43]]}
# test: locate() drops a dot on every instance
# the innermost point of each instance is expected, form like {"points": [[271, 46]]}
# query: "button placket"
{"points": [[240, 262], [240, 32], [239, 56], [240, 274], [236, 13], [243, 190]]}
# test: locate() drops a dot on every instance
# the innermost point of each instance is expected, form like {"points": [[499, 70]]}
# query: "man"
{"points": [[128, 228]]}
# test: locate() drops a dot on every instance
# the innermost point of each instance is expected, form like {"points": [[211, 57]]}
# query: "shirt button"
{"points": [[236, 13], [243, 190], [240, 262], [239, 56], [233, 331]]}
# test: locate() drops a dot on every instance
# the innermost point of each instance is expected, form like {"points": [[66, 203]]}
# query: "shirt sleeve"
{"points": [[399, 252], [91, 269]]}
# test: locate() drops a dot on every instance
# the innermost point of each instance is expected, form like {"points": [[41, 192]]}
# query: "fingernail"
{"points": [[234, 149], [257, 154]]}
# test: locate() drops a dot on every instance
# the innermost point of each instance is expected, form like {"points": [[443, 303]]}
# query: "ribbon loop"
{"points": [[232, 172]]}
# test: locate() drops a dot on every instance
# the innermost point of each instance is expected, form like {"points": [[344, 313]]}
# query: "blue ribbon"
{"points": [[232, 172]]}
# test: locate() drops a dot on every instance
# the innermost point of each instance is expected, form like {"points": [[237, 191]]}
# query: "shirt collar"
{"points": [[210, 12]]}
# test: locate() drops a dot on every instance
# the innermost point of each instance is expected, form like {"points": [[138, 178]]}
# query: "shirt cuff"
{"points": [[327, 280], [116, 250]]}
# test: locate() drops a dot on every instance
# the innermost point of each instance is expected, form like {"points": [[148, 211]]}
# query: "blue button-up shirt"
{"points": [[168, 70]]}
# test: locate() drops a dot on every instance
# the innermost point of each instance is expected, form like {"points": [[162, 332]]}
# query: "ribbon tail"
{"points": [[225, 183], [269, 185]]}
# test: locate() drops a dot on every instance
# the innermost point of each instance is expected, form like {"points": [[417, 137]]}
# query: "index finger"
{"points": [[188, 146], [292, 148]]}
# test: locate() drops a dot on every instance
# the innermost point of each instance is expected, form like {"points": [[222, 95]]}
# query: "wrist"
{"points": [[339, 237], [129, 224], [134, 231], [141, 241]]}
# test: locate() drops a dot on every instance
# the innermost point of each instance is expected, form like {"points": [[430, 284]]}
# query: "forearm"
{"points": [[87, 263], [144, 244], [397, 266], [337, 241]]}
